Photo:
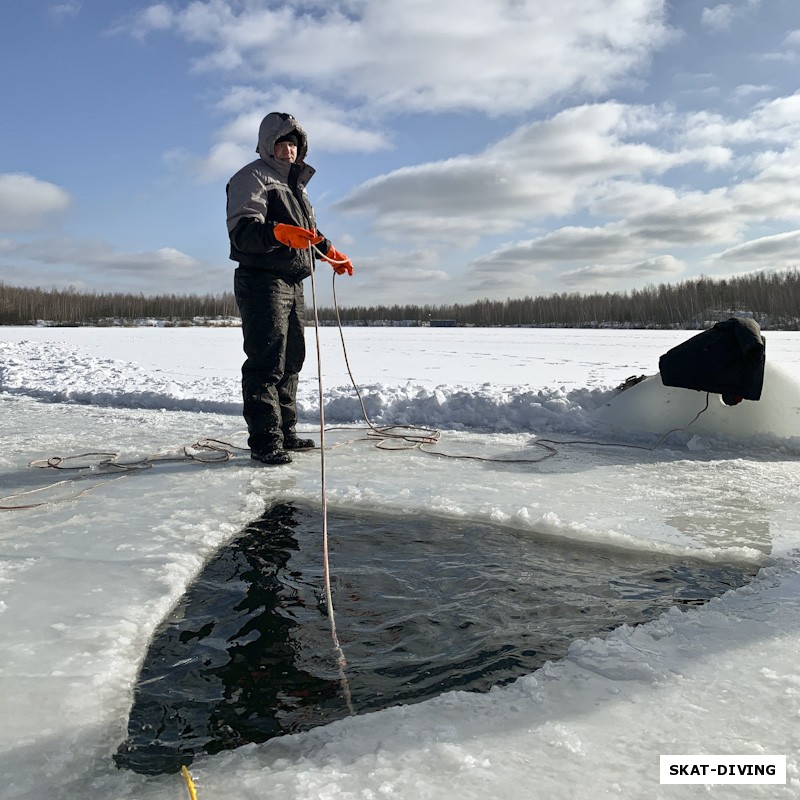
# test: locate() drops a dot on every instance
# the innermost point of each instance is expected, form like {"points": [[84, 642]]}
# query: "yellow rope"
{"points": [[189, 783]]}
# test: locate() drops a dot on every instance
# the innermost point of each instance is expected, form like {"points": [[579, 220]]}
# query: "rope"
{"points": [[341, 662], [199, 451], [203, 451], [189, 783], [414, 437], [635, 446], [47, 488], [210, 450], [419, 437], [432, 436]]}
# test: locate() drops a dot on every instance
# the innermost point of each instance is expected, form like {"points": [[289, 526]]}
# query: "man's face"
{"points": [[285, 151]]}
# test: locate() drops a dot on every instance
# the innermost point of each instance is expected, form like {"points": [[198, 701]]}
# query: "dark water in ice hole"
{"points": [[422, 605]]}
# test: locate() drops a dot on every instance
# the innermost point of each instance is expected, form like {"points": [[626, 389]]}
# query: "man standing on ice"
{"points": [[271, 228]]}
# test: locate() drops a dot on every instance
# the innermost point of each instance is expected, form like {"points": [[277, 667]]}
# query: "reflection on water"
{"points": [[423, 606]]}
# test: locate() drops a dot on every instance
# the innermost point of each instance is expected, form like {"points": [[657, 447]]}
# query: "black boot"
{"points": [[292, 442], [273, 457]]}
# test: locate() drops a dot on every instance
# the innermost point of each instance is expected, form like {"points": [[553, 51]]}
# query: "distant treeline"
{"points": [[774, 300], [24, 306]]}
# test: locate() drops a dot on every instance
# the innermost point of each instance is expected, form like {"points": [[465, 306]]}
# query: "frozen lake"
{"points": [[102, 557]]}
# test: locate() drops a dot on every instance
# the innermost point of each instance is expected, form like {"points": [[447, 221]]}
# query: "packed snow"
{"points": [[99, 555]]}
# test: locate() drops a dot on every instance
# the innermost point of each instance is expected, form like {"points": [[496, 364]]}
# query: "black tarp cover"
{"points": [[727, 359]]}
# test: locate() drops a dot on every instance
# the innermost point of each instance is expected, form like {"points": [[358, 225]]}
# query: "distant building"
{"points": [[443, 323]]}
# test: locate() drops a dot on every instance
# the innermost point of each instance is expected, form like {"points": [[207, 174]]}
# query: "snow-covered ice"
{"points": [[86, 577]]}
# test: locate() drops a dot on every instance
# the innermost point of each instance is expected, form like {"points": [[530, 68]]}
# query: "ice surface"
{"points": [[85, 579], [651, 406]]}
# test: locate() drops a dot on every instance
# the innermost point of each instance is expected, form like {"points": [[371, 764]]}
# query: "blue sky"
{"points": [[464, 148]]}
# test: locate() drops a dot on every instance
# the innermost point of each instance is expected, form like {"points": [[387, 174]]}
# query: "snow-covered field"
{"points": [[89, 571]]}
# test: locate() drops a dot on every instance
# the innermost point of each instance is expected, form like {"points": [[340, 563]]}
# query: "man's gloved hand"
{"points": [[339, 261], [295, 236]]}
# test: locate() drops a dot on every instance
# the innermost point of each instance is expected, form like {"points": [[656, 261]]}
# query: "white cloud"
{"points": [[602, 160], [626, 248], [566, 246], [614, 177], [691, 218], [421, 56], [157, 17], [222, 161], [329, 129], [541, 170], [775, 121], [719, 17], [154, 261], [377, 60], [664, 268], [93, 263], [61, 11], [622, 197], [457, 198], [776, 251], [746, 90], [722, 16], [27, 203], [641, 244], [774, 189], [397, 276]]}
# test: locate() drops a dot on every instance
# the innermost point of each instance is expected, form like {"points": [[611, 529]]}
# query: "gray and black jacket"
{"points": [[268, 191]]}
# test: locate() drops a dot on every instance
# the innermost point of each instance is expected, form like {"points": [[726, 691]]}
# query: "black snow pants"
{"points": [[272, 312]]}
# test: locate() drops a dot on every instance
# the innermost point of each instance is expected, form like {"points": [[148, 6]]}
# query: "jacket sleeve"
{"points": [[253, 236], [251, 221], [248, 228]]}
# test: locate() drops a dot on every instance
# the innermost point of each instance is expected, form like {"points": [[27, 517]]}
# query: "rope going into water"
{"points": [[341, 662]]}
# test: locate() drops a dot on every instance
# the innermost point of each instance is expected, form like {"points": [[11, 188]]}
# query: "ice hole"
{"points": [[423, 606]]}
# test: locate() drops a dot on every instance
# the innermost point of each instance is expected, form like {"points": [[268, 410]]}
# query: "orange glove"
{"points": [[295, 236], [339, 261]]}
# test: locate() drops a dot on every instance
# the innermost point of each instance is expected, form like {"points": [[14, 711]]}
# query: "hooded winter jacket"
{"points": [[268, 191]]}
